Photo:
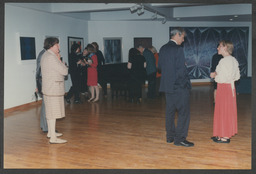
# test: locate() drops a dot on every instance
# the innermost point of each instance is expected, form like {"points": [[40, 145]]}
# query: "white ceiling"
{"points": [[169, 11]]}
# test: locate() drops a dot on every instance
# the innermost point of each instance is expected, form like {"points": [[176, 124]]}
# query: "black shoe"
{"points": [[214, 138], [78, 102], [223, 141], [170, 140], [67, 100], [184, 143]]}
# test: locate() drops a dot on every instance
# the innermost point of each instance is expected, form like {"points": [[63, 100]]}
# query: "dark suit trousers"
{"points": [[151, 85], [177, 101]]}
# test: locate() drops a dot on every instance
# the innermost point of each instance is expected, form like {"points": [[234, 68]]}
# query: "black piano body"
{"points": [[117, 75]]}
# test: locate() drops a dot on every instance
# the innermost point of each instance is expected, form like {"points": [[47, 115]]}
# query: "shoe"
{"points": [[91, 99], [95, 100], [57, 141], [138, 100], [67, 100], [184, 143], [57, 135], [78, 102], [214, 138], [171, 140], [221, 141]]}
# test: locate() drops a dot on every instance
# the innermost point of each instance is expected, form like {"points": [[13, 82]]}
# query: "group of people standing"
{"points": [[83, 70], [50, 76], [176, 85], [143, 63], [174, 82]]}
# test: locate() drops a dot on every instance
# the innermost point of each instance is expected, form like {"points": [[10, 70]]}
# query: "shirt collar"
{"points": [[174, 41]]}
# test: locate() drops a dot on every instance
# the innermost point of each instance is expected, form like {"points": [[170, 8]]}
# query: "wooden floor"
{"points": [[115, 134]]}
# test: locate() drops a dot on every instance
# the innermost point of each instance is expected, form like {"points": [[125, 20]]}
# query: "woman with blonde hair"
{"points": [[225, 112]]}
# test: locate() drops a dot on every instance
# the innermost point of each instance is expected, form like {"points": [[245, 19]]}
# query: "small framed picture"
{"points": [[28, 48], [73, 40]]}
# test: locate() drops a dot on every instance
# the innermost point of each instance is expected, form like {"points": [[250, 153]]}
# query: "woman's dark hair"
{"points": [[74, 47], [133, 52], [96, 45], [91, 48], [50, 42]]}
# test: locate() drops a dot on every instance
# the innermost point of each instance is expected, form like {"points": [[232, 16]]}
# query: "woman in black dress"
{"points": [[136, 65]]}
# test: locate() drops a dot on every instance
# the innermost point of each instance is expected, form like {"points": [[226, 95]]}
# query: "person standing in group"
{"points": [[176, 85], [101, 62], [136, 64], [43, 122], [53, 74], [150, 69], [225, 111], [158, 75], [84, 87], [92, 74], [74, 61], [215, 61]]}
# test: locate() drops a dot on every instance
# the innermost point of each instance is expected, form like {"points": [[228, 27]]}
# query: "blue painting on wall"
{"points": [[27, 48], [112, 50], [201, 44]]}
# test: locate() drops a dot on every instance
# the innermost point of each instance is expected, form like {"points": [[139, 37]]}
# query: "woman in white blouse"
{"points": [[225, 112]]}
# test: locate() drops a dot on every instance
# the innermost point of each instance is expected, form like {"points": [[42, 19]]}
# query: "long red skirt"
{"points": [[225, 112]]}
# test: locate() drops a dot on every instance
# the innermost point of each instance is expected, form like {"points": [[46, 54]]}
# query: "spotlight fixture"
{"points": [[140, 11], [164, 21], [154, 16], [133, 8]]}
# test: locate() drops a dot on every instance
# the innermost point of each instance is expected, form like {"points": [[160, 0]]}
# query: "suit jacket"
{"points": [[38, 72], [172, 65], [53, 73]]}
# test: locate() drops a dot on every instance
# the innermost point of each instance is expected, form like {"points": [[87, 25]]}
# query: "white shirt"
{"points": [[227, 71]]}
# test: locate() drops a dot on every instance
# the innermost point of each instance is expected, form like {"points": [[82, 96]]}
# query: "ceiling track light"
{"points": [[134, 8], [154, 16], [164, 20], [140, 10]]}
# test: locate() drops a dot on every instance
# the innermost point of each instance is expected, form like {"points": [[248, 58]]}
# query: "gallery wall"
{"points": [[19, 82], [19, 76]]}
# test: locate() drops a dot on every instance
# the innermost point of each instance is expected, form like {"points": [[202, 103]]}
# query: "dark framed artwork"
{"points": [[73, 40], [201, 44], [146, 42], [112, 50], [27, 48]]}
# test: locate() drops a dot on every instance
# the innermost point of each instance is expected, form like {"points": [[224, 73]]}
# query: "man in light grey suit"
{"points": [[43, 122]]}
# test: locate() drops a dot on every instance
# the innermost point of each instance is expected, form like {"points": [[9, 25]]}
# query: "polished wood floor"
{"points": [[115, 134]]}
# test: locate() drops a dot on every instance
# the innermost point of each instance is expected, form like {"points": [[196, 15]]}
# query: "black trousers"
{"points": [[135, 89], [75, 88], [151, 85], [83, 76], [177, 101]]}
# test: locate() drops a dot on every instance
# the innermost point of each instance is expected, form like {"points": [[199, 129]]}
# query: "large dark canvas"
{"points": [[201, 44]]}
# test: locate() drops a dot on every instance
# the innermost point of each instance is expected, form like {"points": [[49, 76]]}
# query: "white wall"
{"points": [[155, 29], [19, 82], [19, 77]]}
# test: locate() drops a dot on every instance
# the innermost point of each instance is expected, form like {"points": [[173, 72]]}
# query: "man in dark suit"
{"points": [[215, 61], [176, 85]]}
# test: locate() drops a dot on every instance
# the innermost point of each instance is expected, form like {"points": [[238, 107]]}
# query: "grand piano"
{"points": [[117, 75]]}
